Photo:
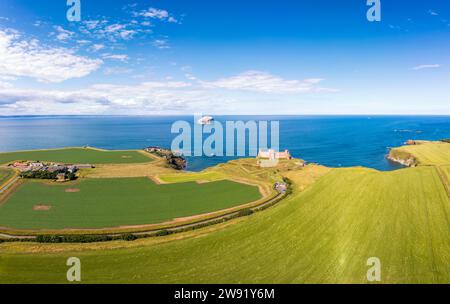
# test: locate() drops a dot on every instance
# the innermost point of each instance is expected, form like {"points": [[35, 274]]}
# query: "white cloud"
{"points": [[116, 71], [156, 13], [101, 29], [97, 47], [426, 66], [29, 58], [115, 57], [190, 76], [161, 44], [147, 97], [5, 85], [263, 82], [93, 24], [83, 42], [62, 34], [114, 28], [168, 96], [127, 34], [433, 13]]}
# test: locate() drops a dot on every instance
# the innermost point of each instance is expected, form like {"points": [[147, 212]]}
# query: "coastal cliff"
{"points": [[174, 161], [402, 157]]}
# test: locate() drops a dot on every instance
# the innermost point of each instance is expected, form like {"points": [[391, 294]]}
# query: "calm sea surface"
{"points": [[336, 141]]}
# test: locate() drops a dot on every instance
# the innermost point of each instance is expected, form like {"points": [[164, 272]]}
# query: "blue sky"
{"points": [[224, 57]]}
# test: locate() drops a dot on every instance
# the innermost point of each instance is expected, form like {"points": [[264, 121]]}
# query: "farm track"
{"points": [[444, 179], [9, 184]]}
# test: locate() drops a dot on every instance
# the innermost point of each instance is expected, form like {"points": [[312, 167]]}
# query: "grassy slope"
{"points": [[427, 153], [77, 155], [117, 202], [5, 175], [326, 234]]}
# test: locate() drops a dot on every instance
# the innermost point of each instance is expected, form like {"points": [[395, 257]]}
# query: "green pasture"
{"points": [[192, 177], [428, 153], [325, 234], [77, 156], [107, 203]]}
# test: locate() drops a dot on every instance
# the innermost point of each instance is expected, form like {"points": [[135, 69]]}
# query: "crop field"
{"points": [[77, 156], [446, 170], [108, 203], [445, 176], [324, 234], [5, 175], [429, 153], [192, 177]]}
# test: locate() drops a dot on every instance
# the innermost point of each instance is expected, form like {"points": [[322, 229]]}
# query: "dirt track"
{"points": [[9, 184]]}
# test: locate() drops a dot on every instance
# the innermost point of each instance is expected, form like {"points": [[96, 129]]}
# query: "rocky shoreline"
{"points": [[402, 157], [409, 162], [174, 161]]}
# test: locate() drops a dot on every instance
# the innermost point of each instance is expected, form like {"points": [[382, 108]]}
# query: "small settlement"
{"points": [[55, 171]]}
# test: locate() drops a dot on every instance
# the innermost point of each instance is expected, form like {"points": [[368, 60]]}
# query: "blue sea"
{"points": [[335, 141]]}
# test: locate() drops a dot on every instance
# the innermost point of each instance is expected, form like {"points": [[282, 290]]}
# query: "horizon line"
{"points": [[218, 115]]}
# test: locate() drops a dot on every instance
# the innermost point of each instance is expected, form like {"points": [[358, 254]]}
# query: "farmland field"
{"points": [[192, 177], [107, 203], [324, 234], [428, 153], [77, 156]]}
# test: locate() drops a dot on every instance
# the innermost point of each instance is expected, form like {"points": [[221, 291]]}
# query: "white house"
{"points": [[272, 154]]}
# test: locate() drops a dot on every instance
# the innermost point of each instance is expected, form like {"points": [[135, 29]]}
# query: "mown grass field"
{"points": [[77, 156], [445, 176], [428, 153], [108, 203], [324, 234], [5, 175], [192, 177]]}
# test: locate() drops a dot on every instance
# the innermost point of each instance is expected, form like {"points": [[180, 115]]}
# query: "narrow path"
{"points": [[9, 184], [443, 178], [7, 236]]}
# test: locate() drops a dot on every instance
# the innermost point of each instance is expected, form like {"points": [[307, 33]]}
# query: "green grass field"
{"points": [[445, 176], [325, 234], [107, 203], [5, 175], [192, 177], [428, 153], [77, 156]]}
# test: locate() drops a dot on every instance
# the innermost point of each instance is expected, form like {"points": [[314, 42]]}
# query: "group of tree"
{"points": [[44, 174]]}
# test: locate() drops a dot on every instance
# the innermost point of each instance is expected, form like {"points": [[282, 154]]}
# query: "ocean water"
{"points": [[335, 141]]}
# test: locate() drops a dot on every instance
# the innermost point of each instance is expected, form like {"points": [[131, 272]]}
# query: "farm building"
{"points": [[272, 154]]}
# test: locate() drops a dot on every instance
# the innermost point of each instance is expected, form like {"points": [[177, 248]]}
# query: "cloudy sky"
{"points": [[224, 57]]}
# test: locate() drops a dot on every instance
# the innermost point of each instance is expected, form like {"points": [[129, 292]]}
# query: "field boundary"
{"points": [[444, 179]]}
